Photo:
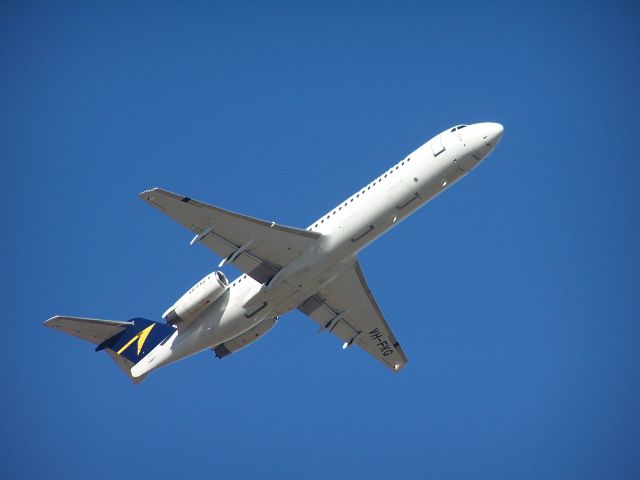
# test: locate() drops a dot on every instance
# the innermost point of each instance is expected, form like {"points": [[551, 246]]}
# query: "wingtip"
{"points": [[398, 367], [148, 191], [49, 321]]}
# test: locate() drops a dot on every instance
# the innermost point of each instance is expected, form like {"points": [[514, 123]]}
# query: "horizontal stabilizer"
{"points": [[126, 342], [88, 329]]}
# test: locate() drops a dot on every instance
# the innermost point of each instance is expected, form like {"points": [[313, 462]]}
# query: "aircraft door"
{"points": [[437, 147]]}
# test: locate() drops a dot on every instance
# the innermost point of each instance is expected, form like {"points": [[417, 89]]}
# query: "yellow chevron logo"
{"points": [[141, 337]]}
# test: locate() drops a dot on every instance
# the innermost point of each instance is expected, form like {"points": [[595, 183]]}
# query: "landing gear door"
{"points": [[436, 145]]}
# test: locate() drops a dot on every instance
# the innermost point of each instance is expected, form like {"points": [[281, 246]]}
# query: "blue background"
{"points": [[514, 294]]}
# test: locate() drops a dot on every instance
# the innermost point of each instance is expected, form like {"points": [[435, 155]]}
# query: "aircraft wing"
{"points": [[346, 308], [258, 248]]}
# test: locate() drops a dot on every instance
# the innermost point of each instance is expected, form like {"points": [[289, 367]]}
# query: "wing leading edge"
{"points": [[346, 308]]}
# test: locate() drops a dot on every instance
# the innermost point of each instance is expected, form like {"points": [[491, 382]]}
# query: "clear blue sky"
{"points": [[514, 294]]}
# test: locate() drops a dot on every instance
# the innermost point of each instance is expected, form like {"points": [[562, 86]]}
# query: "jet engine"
{"points": [[199, 297], [244, 339]]}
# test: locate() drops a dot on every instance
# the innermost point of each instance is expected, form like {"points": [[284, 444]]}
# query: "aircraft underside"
{"points": [[314, 270]]}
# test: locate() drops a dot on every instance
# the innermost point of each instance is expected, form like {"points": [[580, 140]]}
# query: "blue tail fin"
{"points": [[137, 340]]}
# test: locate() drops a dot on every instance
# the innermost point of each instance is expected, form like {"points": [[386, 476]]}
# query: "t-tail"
{"points": [[125, 342]]}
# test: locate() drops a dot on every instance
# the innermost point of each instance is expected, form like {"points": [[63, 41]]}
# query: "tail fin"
{"points": [[126, 342], [138, 339]]}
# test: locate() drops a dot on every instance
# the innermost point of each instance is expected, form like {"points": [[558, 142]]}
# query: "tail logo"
{"points": [[141, 337]]}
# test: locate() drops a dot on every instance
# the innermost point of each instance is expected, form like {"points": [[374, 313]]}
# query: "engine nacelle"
{"points": [[244, 339], [199, 297]]}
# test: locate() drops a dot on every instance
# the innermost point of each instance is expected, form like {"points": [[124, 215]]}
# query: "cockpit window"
{"points": [[457, 128]]}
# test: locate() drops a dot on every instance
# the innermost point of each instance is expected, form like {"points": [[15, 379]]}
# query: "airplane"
{"points": [[314, 270]]}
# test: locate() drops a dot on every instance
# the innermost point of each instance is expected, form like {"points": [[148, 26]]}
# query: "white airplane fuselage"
{"points": [[346, 229]]}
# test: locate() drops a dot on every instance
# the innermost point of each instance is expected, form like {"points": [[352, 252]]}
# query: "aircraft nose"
{"points": [[482, 138], [492, 133]]}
